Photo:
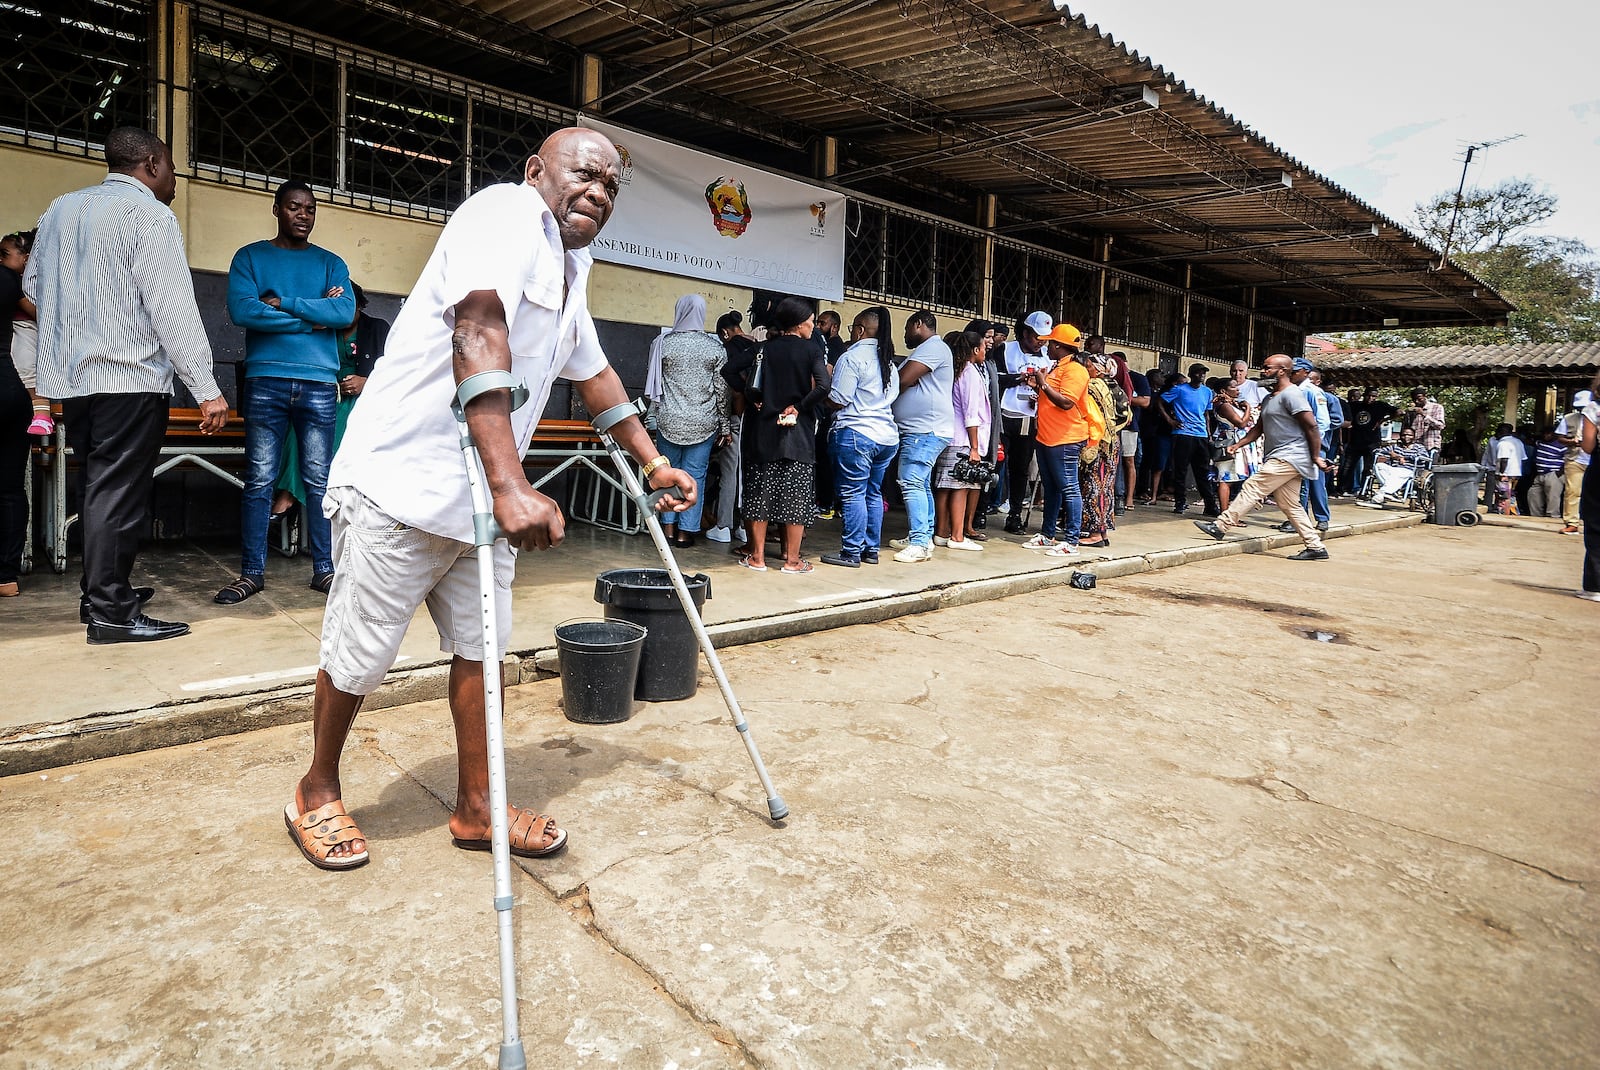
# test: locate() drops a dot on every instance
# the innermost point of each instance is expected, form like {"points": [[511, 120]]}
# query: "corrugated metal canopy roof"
{"points": [[1553, 361], [937, 102]]}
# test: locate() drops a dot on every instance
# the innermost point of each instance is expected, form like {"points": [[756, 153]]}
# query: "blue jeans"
{"points": [[1058, 471], [918, 452], [860, 464], [1314, 492], [695, 460], [271, 407]]}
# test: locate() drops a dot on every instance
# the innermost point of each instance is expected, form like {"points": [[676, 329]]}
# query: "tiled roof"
{"points": [[1562, 360]]}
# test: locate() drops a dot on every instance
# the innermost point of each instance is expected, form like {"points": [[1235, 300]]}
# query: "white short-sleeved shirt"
{"points": [[402, 448], [1511, 450]]}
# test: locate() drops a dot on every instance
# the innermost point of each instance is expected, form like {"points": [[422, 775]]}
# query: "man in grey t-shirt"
{"points": [[925, 415], [1293, 449]]}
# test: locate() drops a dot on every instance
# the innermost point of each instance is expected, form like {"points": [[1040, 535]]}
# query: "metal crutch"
{"points": [[646, 501], [484, 534]]}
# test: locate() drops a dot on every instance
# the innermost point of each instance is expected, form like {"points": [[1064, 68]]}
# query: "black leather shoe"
{"points": [[1309, 554], [1014, 526], [143, 594], [141, 629]]}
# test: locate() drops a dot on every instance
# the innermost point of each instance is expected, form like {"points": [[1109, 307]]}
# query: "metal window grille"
{"points": [[1009, 295], [1275, 336], [74, 71], [911, 264], [892, 254], [271, 103], [863, 249], [957, 284]]}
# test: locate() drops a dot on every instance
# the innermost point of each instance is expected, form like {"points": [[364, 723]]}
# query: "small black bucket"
{"points": [[599, 661], [669, 667]]}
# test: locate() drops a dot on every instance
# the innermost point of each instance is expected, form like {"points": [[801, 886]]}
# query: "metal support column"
{"points": [[988, 216]]}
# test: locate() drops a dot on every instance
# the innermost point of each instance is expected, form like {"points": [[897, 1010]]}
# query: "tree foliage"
{"points": [[1551, 280]]}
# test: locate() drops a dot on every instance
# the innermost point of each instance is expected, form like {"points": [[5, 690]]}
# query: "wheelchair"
{"points": [[1415, 493]]}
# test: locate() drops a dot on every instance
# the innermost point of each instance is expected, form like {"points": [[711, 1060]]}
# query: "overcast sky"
{"points": [[1382, 97]]}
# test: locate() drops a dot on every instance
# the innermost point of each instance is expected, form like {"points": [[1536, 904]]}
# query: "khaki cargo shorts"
{"points": [[383, 571]]}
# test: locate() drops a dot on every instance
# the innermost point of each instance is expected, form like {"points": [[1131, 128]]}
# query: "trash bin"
{"points": [[599, 662], [669, 666], [1455, 494]]}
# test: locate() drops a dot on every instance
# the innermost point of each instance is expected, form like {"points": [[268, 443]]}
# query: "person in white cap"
{"points": [[1569, 431], [1019, 407]]}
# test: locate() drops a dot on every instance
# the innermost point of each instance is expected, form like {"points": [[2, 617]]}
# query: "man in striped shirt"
{"points": [[117, 317]]}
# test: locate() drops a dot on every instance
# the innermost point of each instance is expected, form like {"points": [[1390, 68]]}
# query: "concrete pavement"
{"points": [[1158, 824], [250, 666]]}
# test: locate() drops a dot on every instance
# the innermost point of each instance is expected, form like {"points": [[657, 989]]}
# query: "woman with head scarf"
{"points": [[689, 399]]}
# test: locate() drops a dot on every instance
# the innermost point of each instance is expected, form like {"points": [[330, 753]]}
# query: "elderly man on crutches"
{"points": [[504, 291]]}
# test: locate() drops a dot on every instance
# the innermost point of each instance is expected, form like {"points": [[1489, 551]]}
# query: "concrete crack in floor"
{"points": [[578, 904], [1302, 796]]}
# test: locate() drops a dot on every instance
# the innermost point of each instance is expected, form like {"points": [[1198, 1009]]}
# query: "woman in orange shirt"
{"points": [[1063, 427]]}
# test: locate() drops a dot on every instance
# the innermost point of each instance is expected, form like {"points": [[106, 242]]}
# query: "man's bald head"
{"points": [[578, 173]]}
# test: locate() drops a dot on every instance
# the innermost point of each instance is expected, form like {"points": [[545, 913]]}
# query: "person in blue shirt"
{"points": [[1314, 492], [292, 298], [1189, 403]]}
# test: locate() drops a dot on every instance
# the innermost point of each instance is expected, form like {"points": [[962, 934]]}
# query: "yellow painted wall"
{"points": [[633, 295], [385, 253], [34, 179]]}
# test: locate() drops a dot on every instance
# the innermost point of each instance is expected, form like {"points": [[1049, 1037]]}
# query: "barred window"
{"points": [[264, 110], [1218, 332], [895, 255], [1275, 336], [911, 259], [74, 71], [502, 140], [405, 141], [1009, 295], [271, 103]]}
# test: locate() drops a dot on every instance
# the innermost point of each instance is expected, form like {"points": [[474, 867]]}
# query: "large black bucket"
{"points": [[599, 661], [669, 667]]}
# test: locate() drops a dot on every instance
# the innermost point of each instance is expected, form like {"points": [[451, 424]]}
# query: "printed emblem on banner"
{"points": [[627, 163], [730, 206], [819, 212]]}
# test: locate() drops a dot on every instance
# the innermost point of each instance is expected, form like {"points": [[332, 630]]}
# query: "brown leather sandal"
{"points": [[317, 833], [529, 829]]}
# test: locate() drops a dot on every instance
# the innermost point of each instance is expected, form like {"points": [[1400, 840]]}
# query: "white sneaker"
{"points": [[1062, 549], [899, 544], [1040, 542], [913, 554], [719, 535], [962, 544], [1592, 596], [940, 540]]}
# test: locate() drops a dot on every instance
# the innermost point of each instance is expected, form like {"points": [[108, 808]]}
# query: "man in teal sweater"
{"points": [[291, 298]]}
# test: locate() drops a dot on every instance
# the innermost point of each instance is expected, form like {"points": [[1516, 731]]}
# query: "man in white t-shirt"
{"points": [[505, 289], [1503, 456], [1250, 390], [1019, 405]]}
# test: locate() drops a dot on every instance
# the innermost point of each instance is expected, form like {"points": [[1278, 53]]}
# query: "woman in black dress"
{"points": [[780, 485]]}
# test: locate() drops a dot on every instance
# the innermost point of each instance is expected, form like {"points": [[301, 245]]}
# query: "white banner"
{"points": [[689, 213]]}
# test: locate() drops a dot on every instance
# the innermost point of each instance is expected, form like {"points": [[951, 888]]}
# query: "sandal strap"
{"points": [[244, 586], [326, 827], [529, 827]]}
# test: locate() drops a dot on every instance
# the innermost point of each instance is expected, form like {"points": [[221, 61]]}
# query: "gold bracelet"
{"points": [[652, 466]]}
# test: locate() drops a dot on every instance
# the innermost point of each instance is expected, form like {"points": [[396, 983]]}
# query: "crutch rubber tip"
{"points": [[777, 807], [512, 1057]]}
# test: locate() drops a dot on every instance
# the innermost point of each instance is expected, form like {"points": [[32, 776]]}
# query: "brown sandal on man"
{"points": [[531, 836], [317, 834]]}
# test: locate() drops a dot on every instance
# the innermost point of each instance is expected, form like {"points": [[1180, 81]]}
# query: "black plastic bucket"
{"points": [[669, 667], [599, 662]]}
